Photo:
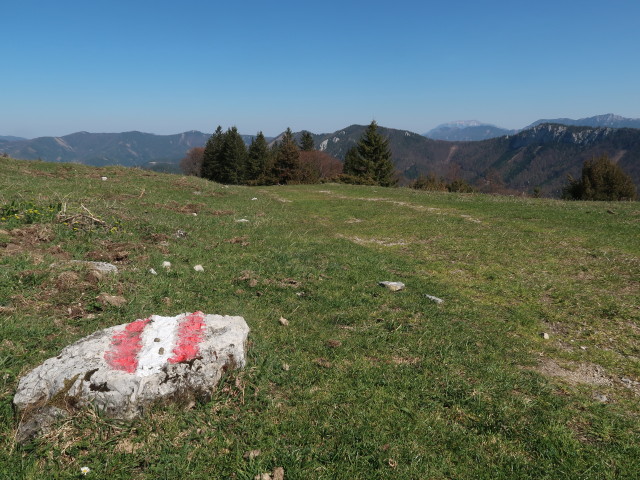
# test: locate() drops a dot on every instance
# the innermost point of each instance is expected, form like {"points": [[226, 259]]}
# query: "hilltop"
{"points": [[360, 382]]}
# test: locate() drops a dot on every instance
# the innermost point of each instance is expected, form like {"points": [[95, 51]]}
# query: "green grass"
{"points": [[363, 383]]}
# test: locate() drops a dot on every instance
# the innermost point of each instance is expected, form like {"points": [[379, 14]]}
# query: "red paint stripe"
{"points": [[125, 347], [190, 334]]}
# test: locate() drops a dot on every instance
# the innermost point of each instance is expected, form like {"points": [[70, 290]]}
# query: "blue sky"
{"points": [[167, 67]]}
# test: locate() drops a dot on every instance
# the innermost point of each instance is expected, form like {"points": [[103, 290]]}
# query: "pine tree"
{"points": [[375, 149], [257, 158], [211, 156], [307, 143], [286, 167], [357, 165], [234, 158], [224, 157]]}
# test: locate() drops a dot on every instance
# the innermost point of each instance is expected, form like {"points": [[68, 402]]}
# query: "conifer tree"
{"points": [[358, 166], [211, 156], [225, 156], [234, 158], [371, 158], [257, 158], [306, 142], [286, 166]]}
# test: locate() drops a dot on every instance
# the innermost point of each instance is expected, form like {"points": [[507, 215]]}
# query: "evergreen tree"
{"points": [[211, 155], [224, 157], [257, 158], [375, 148], [601, 179], [234, 158], [371, 158], [357, 165], [286, 166], [307, 143]]}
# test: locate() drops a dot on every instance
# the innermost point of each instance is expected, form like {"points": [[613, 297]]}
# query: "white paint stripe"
{"points": [[158, 341]]}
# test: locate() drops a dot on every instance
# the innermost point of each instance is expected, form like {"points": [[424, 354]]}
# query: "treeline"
{"points": [[226, 159]]}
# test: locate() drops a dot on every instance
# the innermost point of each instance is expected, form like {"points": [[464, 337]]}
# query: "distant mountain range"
{"points": [[472, 130], [539, 157]]}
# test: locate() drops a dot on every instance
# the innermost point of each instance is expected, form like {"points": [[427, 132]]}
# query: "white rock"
{"points": [[104, 179], [545, 335], [122, 370], [152, 271], [254, 198], [242, 220], [435, 299], [283, 321], [166, 265], [393, 286], [199, 268], [102, 267]]}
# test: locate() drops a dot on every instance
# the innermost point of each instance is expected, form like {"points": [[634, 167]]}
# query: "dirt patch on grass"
{"points": [[575, 374]]}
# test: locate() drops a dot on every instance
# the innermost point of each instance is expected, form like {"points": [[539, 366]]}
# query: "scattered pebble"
{"points": [[199, 268], [283, 321], [166, 265], [194, 214], [545, 335], [104, 179], [180, 234], [254, 198], [600, 397], [112, 300], [583, 347], [393, 286], [250, 455], [242, 220], [285, 367], [152, 271], [435, 299]]}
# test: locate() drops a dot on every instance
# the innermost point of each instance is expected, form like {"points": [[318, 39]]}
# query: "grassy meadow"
{"points": [[363, 383]]}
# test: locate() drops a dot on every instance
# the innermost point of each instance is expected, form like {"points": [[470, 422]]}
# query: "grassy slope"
{"points": [[379, 384]]}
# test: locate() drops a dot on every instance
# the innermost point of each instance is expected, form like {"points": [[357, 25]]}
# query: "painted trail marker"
{"points": [[123, 369]]}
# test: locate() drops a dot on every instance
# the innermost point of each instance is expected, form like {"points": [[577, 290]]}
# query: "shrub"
{"points": [[601, 179]]}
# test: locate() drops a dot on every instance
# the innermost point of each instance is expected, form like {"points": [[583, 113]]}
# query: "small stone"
{"points": [[111, 300], [199, 268], [180, 234], [600, 397], [242, 220], [582, 347], [545, 335], [152, 271], [104, 179], [254, 198], [250, 455], [166, 265], [194, 214], [278, 473], [94, 277], [283, 321], [393, 286], [435, 299], [285, 367]]}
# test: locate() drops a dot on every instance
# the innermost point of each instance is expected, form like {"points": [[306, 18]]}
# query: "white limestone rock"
{"points": [[122, 370]]}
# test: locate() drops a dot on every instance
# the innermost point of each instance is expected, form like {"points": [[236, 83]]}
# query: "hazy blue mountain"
{"points": [[10, 138], [608, 120], [467, 130]]}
